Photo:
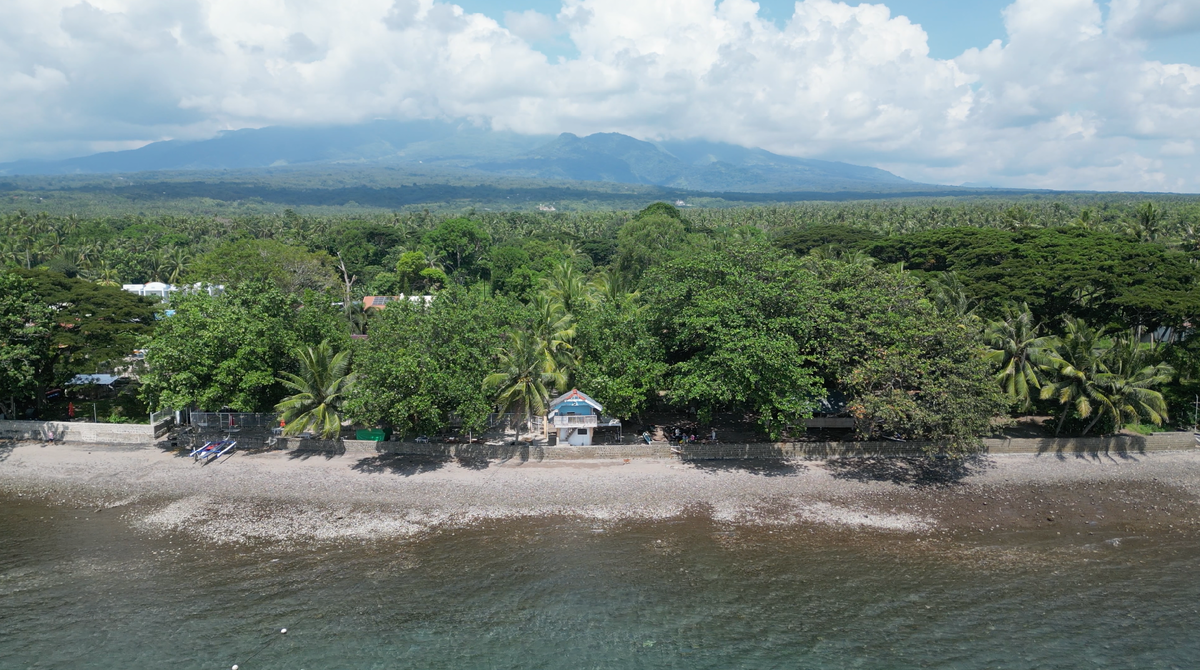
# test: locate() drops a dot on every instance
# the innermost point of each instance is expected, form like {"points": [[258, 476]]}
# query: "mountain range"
{"points": [[694, 165]]}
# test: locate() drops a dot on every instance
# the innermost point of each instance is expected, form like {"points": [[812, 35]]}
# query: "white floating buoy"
{"points": [[283, 630], [235, 667]]}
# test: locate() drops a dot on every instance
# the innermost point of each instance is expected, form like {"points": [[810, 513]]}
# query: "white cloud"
{"points": [[1186, 148], [532, 26], [1148, 19], [1066, 101]]}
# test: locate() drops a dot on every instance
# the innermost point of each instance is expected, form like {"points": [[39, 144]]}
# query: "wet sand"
{"points": [[288, 497]]}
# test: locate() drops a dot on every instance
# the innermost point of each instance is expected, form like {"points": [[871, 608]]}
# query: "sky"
{"points": [[1067, 94]]}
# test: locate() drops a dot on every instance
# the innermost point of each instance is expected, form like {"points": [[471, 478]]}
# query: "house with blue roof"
{"points": [[575, 417]]}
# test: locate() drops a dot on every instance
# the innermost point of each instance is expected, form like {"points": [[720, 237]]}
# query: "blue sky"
{"points": [[1067, 94]]}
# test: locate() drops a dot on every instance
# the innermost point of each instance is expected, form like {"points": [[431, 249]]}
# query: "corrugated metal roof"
{"points": [[576, 394], [100, 380]]}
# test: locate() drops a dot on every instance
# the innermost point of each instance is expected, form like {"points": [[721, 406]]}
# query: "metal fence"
{"points": [[233, 421]]}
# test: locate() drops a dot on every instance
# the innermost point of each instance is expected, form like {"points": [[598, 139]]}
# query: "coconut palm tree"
{"points": [[70, 224], [950, 299], [1132, 369], [54, 244], [178, 262], [1075, 359], [11, 251], [608, 286], [1018, 351], [1147, 224], [553, 330], [568, 287], [104, 274], [816, 257], [319, 390], [525, 378], [356, 316], [158, 264]]}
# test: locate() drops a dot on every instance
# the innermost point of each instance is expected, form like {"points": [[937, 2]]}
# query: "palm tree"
{"points": [[54, 244], [356, 316], [70, 224], [525, 377], [1132, 369], [553, 330], [613, 288], [157, 265], [11, 251], [104, 274], [607, 286], [567, 286], [87, 254], [950, 299], [178, 262], [1017, 349], [816, 257], [1147, 225], [1076, 360], [24, 229], [319, 390]]}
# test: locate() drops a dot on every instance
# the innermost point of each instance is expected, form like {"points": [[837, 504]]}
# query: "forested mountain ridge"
{"points": [[462, 149]]}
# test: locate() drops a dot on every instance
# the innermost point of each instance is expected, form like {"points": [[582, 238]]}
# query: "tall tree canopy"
{"points": [[24, 323], [621, 362], [735, 327], [910, 370], [291, 269], [650, 238], [226, 351], [460, 241], [423, 364], [90, 325], [1100, 276]]}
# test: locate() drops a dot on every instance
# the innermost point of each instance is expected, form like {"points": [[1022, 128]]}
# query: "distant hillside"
{"points": [[695, 166]]}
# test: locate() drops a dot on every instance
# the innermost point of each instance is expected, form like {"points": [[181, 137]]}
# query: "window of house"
{"points": [[583, 431]]}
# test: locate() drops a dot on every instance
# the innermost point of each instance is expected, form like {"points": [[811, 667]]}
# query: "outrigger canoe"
{"points": [[211, 451]]}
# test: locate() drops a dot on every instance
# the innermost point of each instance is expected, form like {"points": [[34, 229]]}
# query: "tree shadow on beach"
{"points": [[907, 471], [766, 467], [305, 454], [407, 465], [6, 449], [1112, 454]]}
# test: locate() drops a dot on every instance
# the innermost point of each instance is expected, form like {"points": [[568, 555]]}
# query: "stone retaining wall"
{"points": [[72, 432], [793, 450], [1173, 441], [135, 435]]}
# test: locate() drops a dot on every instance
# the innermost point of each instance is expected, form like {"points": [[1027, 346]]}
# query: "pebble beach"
{"points": [[287, 497]]}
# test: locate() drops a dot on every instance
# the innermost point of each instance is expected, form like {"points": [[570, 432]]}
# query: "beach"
{"points": [[136, 558], [307, 497]]}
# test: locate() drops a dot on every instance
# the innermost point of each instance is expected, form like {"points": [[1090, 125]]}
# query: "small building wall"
{"points": [[574, 437]]}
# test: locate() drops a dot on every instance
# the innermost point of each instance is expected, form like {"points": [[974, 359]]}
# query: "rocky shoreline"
{"points": [[290, 497]]}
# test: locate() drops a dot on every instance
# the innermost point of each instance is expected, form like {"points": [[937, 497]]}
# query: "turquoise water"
{"points": [[80, 590]]}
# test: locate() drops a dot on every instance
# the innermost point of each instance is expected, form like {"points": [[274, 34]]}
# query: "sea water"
{"points": [[85, 590]]}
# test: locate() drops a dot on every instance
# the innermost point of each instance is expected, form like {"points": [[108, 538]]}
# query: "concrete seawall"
{"points": [[142, 435], [73, 432], [1178, 441]]}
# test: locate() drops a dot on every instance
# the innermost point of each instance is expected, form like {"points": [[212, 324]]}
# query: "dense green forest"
{"points": [[349, 191], [931, 317]]}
